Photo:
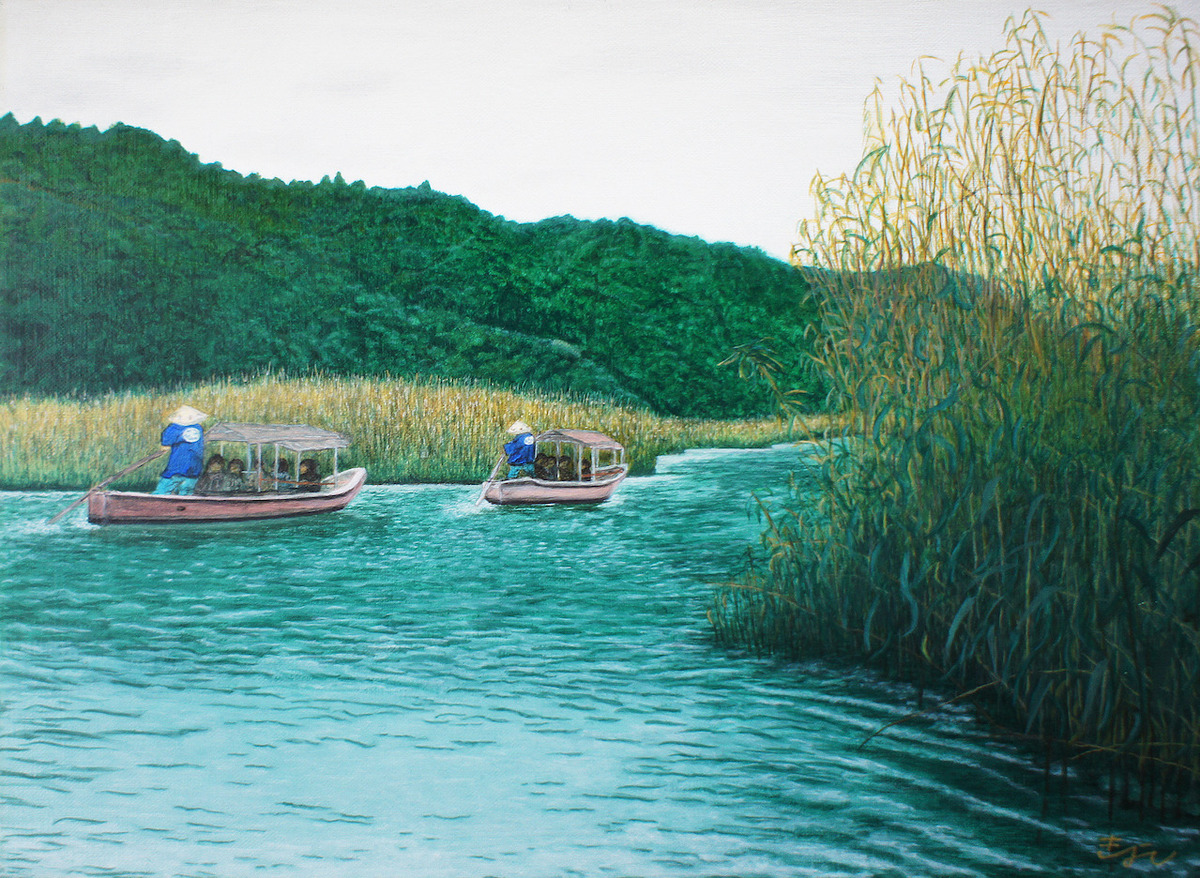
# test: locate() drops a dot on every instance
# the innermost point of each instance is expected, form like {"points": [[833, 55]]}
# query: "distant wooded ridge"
{"points": [[126, 262]]}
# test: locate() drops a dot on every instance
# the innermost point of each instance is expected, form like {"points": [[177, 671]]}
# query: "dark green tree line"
{"points": [[127, 262]]}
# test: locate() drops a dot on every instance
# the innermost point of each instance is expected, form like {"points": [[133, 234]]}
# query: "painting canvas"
{"points": [[886, 312]]}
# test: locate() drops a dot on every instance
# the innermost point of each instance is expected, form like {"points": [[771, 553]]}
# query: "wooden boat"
{"points": [[597, 467], [267, 497]]}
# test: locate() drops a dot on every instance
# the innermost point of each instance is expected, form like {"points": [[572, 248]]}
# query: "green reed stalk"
{"points": [[1012, 308]]}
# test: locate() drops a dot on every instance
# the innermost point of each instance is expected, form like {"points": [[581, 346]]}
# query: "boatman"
{"points": [[184, 438], [520, 451]]}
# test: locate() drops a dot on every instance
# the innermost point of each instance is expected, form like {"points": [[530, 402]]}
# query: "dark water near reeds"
{"points": [[419, 686]]}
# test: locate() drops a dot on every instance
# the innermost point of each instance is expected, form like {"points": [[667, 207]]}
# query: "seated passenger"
{"points": [[281, 477], [235, 477], [566, 469], [585, 470], [545, 467], [259, 479], [309, 477], [213, 477]]}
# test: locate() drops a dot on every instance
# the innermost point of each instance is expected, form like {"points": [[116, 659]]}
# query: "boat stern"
{"points": [[97, 507]]}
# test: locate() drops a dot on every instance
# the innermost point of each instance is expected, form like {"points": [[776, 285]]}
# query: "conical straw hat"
{"points": [[185, 415], [519, 427]]}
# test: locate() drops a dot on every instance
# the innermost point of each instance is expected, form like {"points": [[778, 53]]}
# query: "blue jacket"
{"points": [[520, 450], [187, 450]]}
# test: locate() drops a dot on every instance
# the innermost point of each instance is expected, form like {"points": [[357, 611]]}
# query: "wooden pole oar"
{"points": [[491, 478], [96, 487]]}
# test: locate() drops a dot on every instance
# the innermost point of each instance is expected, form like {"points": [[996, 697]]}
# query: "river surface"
{"points": [[421, 686]]}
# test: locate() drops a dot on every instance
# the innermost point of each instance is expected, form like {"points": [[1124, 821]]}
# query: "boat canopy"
{"points": [[586, 438], [293, 437]]}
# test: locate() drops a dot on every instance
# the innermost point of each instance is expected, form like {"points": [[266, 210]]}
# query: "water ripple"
{"points": [[419, 685]]}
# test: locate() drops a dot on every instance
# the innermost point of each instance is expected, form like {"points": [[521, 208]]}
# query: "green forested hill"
{"points": [[126, 262]]}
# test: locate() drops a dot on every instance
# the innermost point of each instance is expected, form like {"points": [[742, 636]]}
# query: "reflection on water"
{"points": [[419, 685]]}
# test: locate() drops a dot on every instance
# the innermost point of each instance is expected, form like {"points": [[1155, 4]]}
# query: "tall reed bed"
{"points": [[1012, 325], [402, 431]]}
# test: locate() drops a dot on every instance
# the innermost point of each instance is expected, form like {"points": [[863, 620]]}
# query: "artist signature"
{"points": [[1113, 848]]}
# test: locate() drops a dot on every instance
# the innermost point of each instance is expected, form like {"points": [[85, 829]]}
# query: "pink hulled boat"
{"points": [[571, 466], [266, 496]]}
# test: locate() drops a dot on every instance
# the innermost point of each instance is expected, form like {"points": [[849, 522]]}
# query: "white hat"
{"points": [[519, 427], [185, 415]]}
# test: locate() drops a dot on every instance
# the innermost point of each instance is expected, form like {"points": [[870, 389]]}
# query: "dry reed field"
{"points": [[401, 431], [1012, 317]]}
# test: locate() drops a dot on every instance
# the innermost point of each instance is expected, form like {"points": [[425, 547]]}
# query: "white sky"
{"points": [[701, 117]]}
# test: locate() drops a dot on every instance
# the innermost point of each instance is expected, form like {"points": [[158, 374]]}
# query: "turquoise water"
{"points": [[420, 686]]}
